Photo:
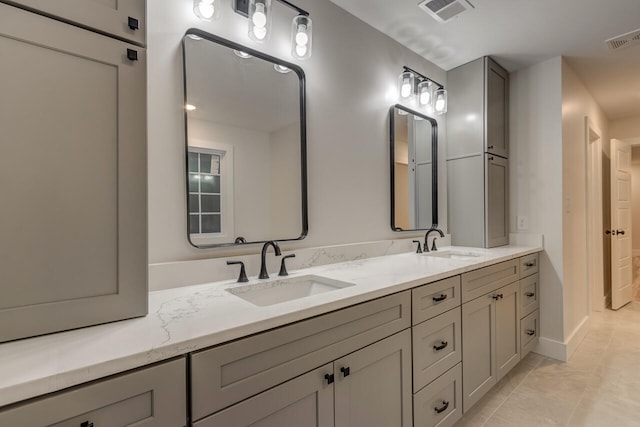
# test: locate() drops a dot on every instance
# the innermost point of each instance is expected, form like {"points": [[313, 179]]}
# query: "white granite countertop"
{"points": [[186, 319]]}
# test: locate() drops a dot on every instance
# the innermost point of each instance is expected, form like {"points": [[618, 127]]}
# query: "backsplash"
{"points": [[178, 274]]}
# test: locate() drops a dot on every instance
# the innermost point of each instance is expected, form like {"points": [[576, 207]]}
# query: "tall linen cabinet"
{"points": [[477, 154], [73, 164]]}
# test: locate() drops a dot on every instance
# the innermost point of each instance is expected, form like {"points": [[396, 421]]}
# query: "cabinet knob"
{"points": [[442, 297], [330, 378], [86, 424], [442, 346], [133, 23], [530, 294], [345, 371], [529, 264], [443, 408], [531, 332], [490, 147], [497, 296]]}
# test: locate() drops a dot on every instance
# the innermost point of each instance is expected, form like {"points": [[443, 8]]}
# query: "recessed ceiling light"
{"points": [[190, 107], [281, 68], [241, 54]]}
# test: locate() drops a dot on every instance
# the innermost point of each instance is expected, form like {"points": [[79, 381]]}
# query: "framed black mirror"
{"points": [[245, 128], [414, 170]]}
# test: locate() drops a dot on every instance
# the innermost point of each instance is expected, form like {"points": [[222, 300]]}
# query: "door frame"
{"points": [[595, 225]]}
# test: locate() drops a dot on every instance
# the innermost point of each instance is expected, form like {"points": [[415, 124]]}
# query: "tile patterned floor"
{"points": [[598, 387]]}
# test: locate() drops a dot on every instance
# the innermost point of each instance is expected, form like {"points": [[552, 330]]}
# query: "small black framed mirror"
{"points": [[246, 148], [414, 169]]}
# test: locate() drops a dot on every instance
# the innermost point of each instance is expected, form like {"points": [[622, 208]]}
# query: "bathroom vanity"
{"points": [[392, 349]]}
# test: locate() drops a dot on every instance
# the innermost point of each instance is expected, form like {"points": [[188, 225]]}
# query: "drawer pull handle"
{"points": [[529, 264], [443, 408], [530, 294], [330, 378], [133, 23], [132, 55], [86, 424], [442, 297], [531, 332], [442, 346], [345, 371], [497, 296]]}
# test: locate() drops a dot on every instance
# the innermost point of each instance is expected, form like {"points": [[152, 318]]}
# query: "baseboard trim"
{"points": [[563, 350]]}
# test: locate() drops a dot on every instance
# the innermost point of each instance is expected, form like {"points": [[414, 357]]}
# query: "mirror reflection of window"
{"points": [[205, 214]]}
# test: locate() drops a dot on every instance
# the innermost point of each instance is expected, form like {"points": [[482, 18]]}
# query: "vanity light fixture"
{"points": [[430, 94], [205, 9], [259, 14], [259, 20]]}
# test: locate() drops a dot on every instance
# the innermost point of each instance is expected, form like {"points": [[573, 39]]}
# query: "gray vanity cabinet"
{"points": [[149, 397], [490, 328], [477, 152], [370, 387], [124, 19], [73, 224]]}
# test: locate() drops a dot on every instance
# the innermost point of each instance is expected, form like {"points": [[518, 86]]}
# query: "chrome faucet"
{"points": [[426, 239], [263, 261]]}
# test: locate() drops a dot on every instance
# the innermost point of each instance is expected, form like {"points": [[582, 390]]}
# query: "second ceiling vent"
{"points": [[444, 10], [625, 40]]}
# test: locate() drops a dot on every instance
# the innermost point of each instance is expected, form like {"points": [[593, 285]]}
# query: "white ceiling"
{"points": [[518, 33]]}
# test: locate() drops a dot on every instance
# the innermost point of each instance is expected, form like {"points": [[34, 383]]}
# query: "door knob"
{"points": [[619, 232], [607, 232]]}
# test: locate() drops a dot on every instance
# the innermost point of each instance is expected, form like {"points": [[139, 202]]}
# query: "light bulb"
{"points": [[440, 104], [205, 9], [405, 92], [259, 32], [301, 50], [301, 36], [259, 17]]}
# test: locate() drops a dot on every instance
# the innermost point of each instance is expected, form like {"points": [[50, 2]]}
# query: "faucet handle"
{"points": [[243, 274], [283, 267], [419, 249]]}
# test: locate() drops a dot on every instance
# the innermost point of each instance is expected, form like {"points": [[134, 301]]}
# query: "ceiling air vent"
{"points": [[625, 40], [444, 10]]}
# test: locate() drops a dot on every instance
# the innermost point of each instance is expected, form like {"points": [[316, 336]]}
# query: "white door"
{"points": [[620, 223]]}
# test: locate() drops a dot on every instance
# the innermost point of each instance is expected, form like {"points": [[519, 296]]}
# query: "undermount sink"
{"points": [[455, 254], [286, 289]]}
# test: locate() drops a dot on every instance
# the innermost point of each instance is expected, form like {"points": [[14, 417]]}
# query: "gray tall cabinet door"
{"points": [[306, 401], [121, 18], [497, 109], [373, 385], [73, 223], [496, 201]]}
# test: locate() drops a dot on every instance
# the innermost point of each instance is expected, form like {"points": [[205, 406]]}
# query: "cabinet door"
{"points": [[306, 401], [107, 16], [507, 329], [478, 350], [496, 202], [373, 385], [150, 397], [497, 109], [73, 224]]}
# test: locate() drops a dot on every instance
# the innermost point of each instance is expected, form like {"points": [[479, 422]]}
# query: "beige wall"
{"points": [[635, 199], [628, 128], [351, 83], [536, 178], [577, 103]]}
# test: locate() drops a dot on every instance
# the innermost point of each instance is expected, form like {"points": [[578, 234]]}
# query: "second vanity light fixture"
{"points": [[258, 13], [417, 88]]}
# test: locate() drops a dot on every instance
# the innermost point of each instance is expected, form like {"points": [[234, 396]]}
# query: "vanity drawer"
{"points": [[440, 403], [528, 265], [479, 282], [226, 374], [154, 396], [529, 294], [529, 333], [435, 298], [436, 347]]}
